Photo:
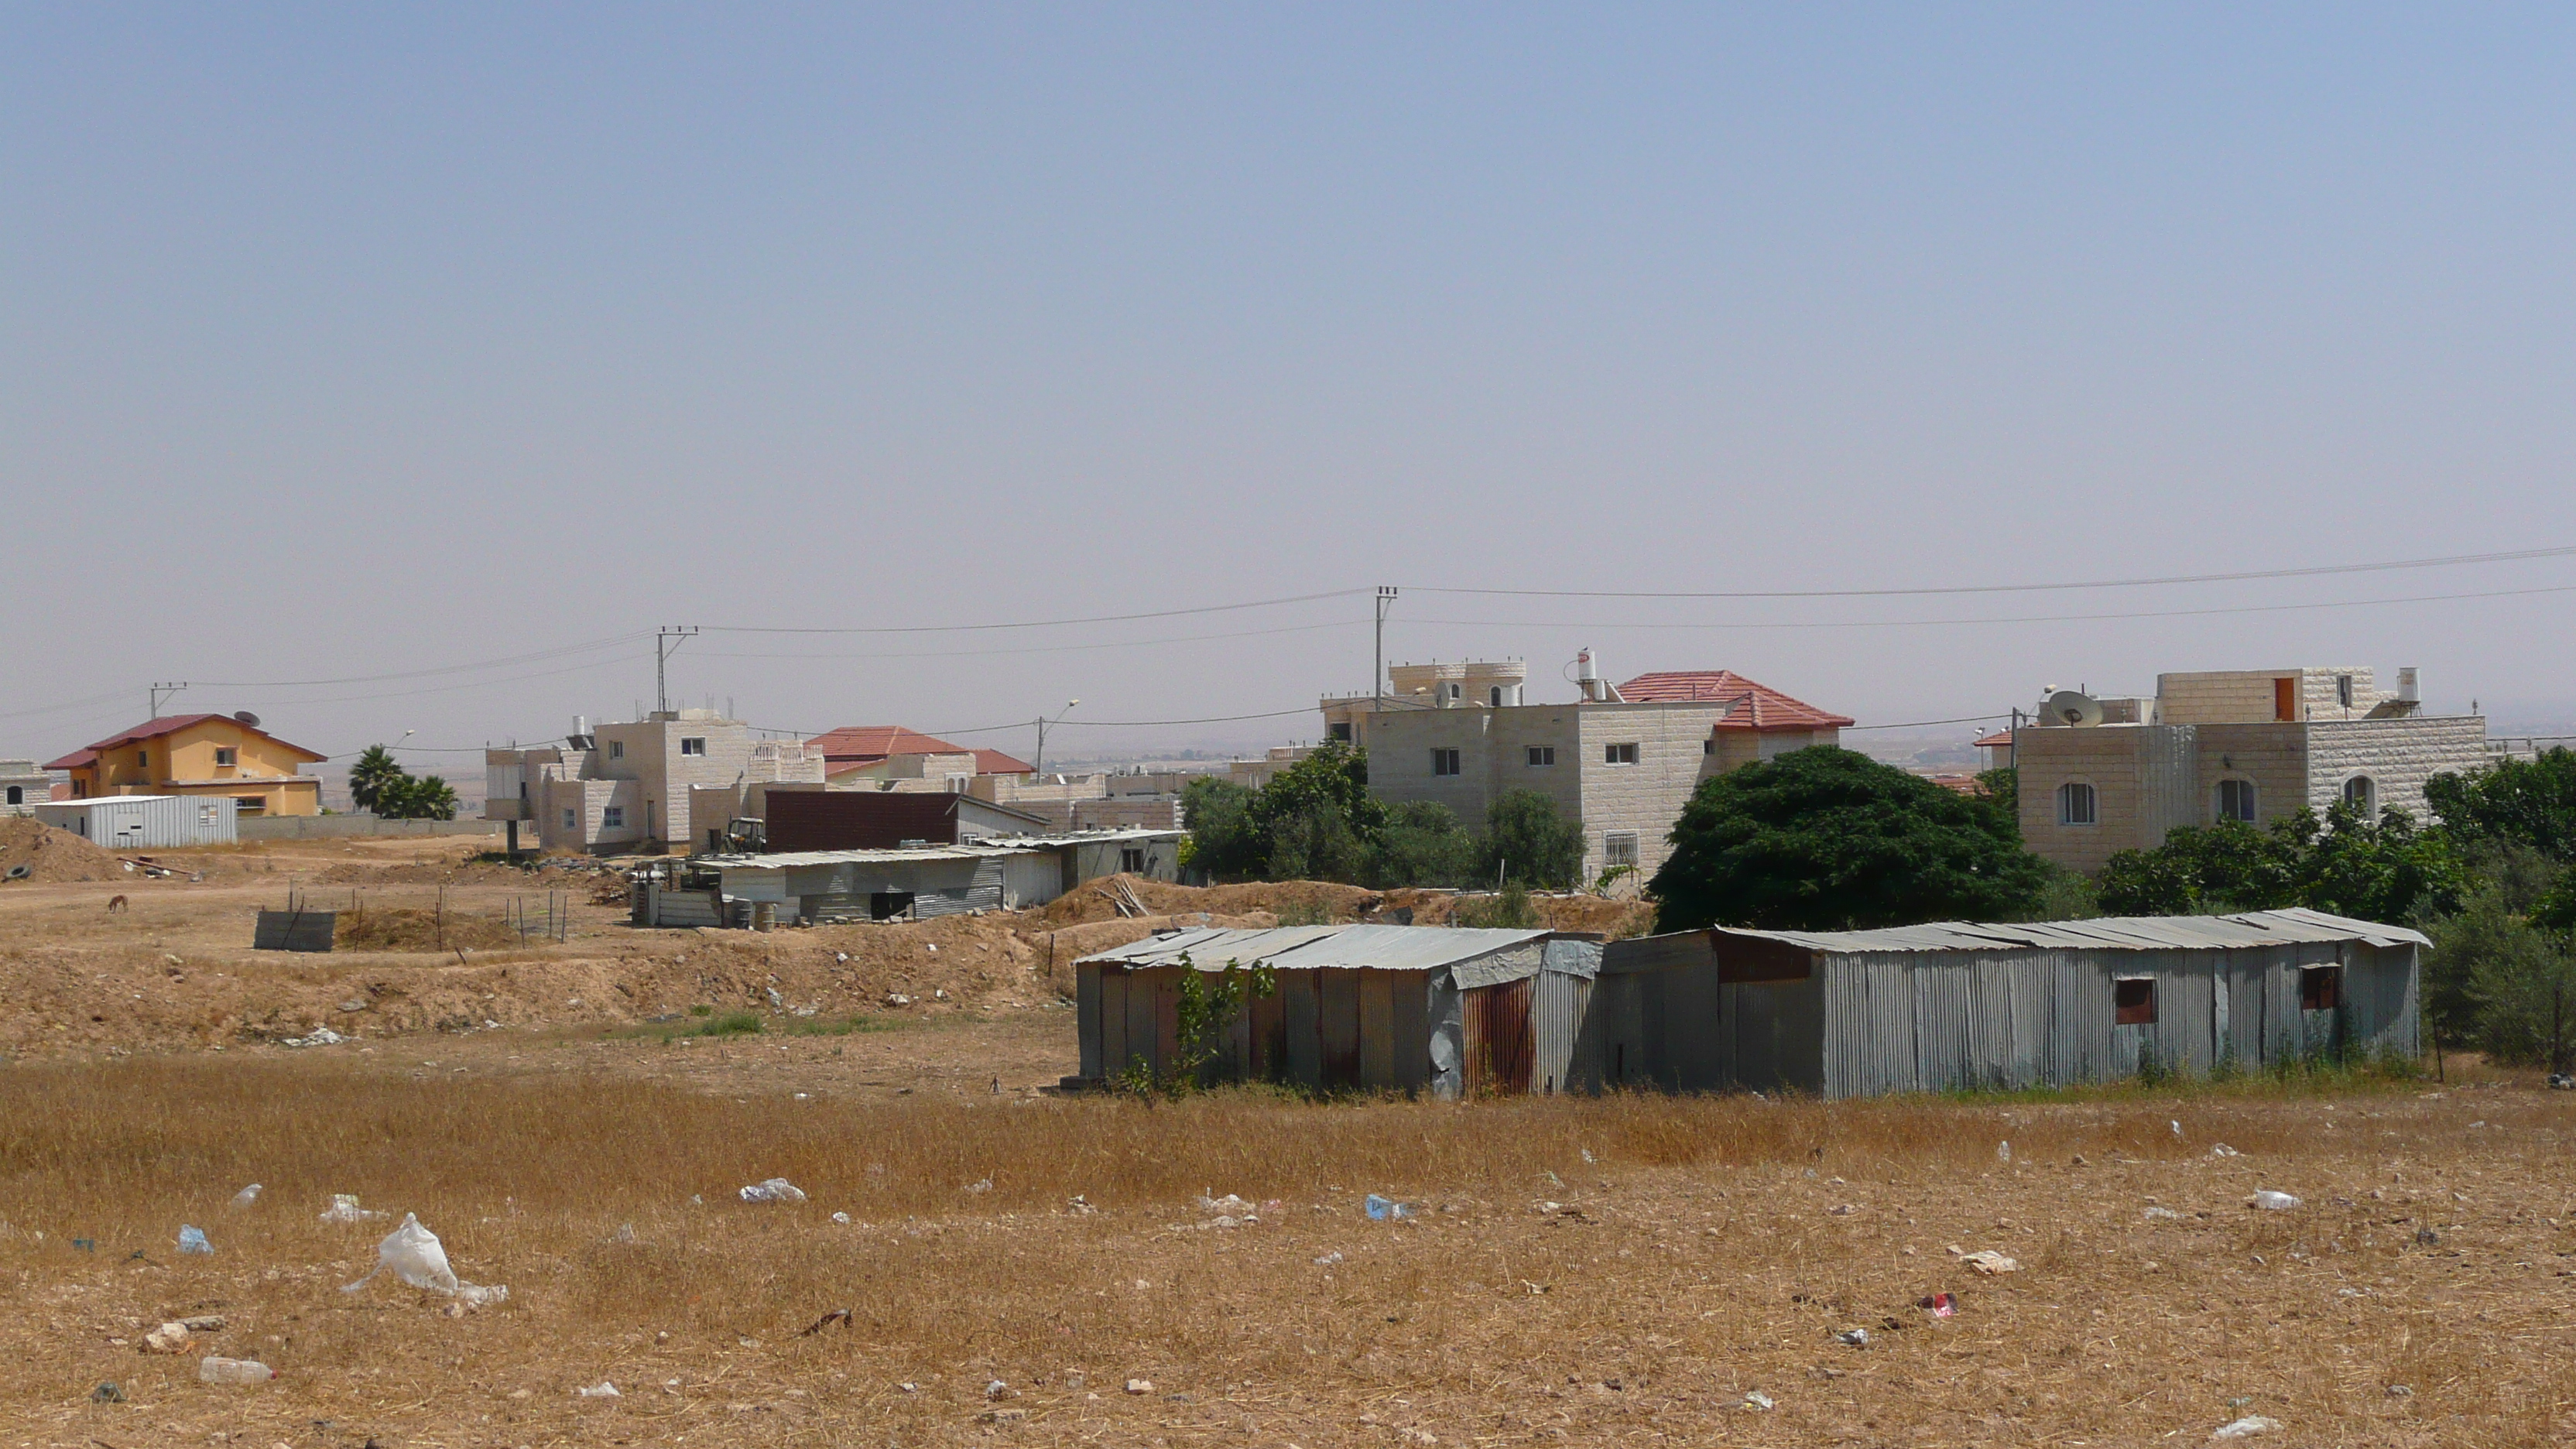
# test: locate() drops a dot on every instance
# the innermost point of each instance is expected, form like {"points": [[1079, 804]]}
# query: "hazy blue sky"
{"points": [[358, 340]]}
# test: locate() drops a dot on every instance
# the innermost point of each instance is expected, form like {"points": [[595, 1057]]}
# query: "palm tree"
{"points": [[368, 779]]}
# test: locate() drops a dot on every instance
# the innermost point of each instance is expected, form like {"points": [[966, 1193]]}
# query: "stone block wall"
{"points": [[2398, 755]]}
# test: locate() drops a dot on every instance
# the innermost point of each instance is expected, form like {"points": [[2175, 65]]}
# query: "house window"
{"points": [[1131, 859], [1453, 691], [2133, 1001], [2361, 794], [17, 795], [1498, 696], [1541, 756], [1708, 746], [617, 749], [1339, 731], [1444, 762], [692, 746], [2075, 804], [251, 804], [1620, 849], [2236, 800], [223, 756], [2343, 690], [2320, 987], [142, 759], [612, 817], [570, 821], [1619, 754]]}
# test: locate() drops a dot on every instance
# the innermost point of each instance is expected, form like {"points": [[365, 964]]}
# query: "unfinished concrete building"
{"points": [[2097, 777]]}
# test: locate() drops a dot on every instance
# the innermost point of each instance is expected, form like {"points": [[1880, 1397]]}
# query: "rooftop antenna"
{"points": [[666, 642], [161, 692]]}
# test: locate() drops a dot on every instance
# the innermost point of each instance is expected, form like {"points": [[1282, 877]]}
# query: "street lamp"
{"points": [[1038, 765]]}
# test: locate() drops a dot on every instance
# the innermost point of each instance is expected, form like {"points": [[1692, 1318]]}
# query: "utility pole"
{"points": [[1038, 766], [160, 692], [666, 643], [1377, 681]]}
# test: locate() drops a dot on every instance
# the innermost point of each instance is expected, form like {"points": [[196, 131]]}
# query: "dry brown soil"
{"points": [[1619, 1271]]}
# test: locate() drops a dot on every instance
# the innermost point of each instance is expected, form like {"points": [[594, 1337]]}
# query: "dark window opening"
{"points": [[1131, 859], [2320, 988], [886, 905], [1444, 762], [17, 795], [2133, 1003], [1620, 754], [1339, 731]]}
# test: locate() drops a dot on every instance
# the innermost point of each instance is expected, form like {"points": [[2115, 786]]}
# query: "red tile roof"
{"points": [[82, 759], [1998, 740], [1766, 710], [855, 745]]}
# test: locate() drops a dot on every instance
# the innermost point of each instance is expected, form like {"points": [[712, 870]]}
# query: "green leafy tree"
{"points": [[376, 768], [1422, 845], [424, 798], [2388, 871], [1529, 841], [2532, 802], [1333, 780], [1828, 839], [1219, 815], [1316, 842]]}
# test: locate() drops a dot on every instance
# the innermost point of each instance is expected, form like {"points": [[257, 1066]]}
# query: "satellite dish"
{"points": [[246, 717], [2074, 707]]}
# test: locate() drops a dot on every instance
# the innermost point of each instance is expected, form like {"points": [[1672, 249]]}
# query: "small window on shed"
{"points": [[2320, 988], [1131, 859], [2133, 1001]]}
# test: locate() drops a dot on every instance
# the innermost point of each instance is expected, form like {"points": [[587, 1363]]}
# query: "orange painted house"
{"points": [[199, 754]]}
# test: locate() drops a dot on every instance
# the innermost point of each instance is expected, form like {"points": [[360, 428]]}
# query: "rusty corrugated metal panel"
{"points": [[1500, 1048]]}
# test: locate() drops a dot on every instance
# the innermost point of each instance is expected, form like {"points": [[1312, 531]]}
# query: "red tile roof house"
{"points": [[1624, 764], [891, 752]]}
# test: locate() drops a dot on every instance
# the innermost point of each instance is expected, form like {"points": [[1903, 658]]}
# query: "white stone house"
{"points": [[629, 786], [2252, 745], [1623, 760]]}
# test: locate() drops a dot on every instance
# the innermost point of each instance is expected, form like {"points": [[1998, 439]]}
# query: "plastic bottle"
{"points": [[214, 1370]]}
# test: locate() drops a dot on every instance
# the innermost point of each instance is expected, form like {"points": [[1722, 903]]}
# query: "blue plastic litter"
{"points": [[193, 1240], [1380, 1208]]}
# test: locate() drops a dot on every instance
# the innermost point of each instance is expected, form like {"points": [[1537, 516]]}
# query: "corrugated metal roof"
{"points": [[1312, 948], [2112, 933], [991, 845]]}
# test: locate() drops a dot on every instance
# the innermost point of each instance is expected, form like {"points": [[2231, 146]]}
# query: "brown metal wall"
{"points": [[859, 819], [1500, 1044]]}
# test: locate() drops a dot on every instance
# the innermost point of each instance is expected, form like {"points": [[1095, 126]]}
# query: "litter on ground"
{"points": [[1989, 1261], [2246, 1428], [413, 1254], [193, 1240], [2270, 1201], [1382, 1209], [776, 1189]]}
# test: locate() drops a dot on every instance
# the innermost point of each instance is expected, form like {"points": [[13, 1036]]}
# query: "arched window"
{"points": [[2362, 795], [2236, 800], [2075, 803]]}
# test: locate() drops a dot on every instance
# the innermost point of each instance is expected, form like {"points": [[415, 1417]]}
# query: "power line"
{"points": [[1042, 648], [2559, 551], [558, 652], [2003, 619], [1916, 724], [1021, 724], [1028, 624]]}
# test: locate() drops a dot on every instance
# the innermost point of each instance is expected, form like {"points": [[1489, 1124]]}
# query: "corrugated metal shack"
{"points": [[1003, 874], [145, 822], [1935, 1007], [1395, 1008]]}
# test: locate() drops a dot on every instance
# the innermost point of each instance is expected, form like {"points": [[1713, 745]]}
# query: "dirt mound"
{"points": [[51, 855], [1322, 902]]}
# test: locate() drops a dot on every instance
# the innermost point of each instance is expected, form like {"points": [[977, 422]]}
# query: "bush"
{"points": [[2388, 871], [1511, 909], [1423, 845], [1528, 840]]}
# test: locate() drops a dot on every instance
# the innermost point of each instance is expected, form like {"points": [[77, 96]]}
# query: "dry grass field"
{"points": [[1626, 1270]]}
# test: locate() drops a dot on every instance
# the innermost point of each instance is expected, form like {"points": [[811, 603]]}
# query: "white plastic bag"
{"points": [[414, 1254], [776, 1189]]}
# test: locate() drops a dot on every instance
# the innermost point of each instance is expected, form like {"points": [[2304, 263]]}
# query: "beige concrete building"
{"points": [[1623, 760], [2252, 745], [630, 786]]}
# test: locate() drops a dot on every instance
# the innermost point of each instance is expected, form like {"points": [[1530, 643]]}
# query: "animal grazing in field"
{"points": [[116, 903]]}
